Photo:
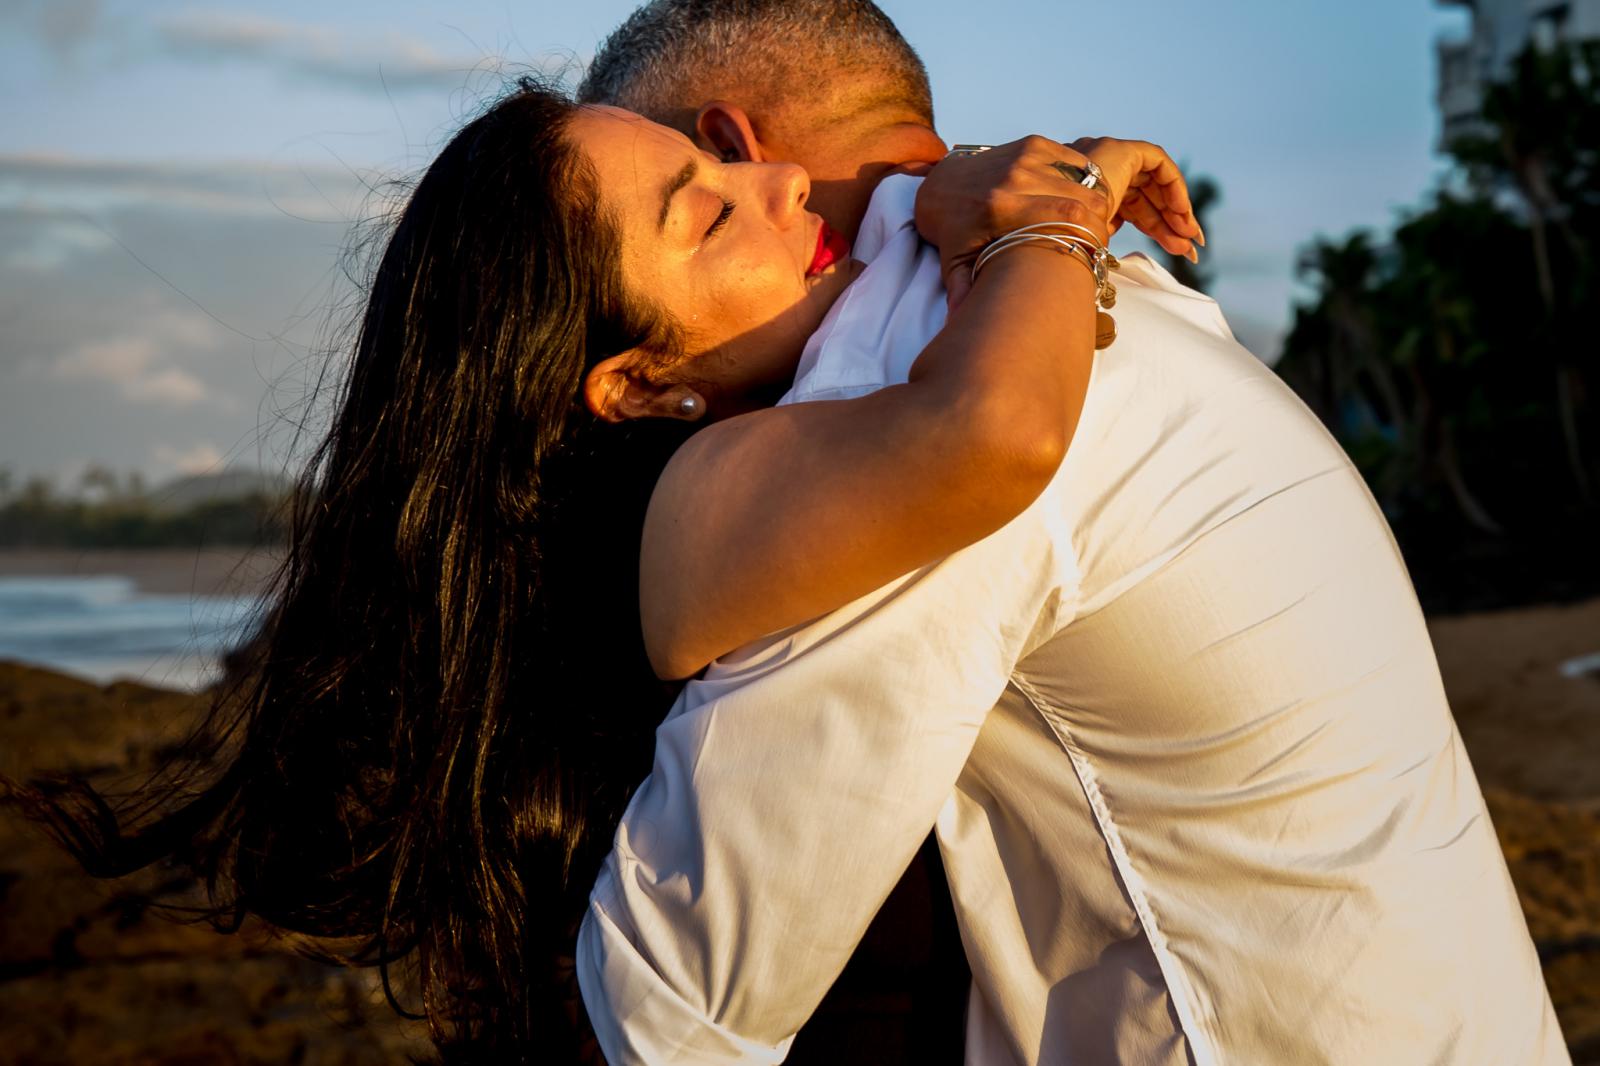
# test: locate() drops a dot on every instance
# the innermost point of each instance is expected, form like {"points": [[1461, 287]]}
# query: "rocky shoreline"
{"points": [[98, 972]]}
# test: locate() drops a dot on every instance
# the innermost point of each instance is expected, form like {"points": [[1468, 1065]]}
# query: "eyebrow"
{"points": [[670, 189]]}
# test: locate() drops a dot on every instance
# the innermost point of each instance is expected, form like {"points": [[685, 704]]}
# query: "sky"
{"points": [[183, 185]]}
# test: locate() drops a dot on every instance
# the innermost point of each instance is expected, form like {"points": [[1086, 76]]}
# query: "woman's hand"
{"points": [[969, 200], [1146, 188], [966, 201]]}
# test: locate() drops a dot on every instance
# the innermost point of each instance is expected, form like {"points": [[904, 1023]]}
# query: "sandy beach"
{"points": [[1529, 728], [90, 974]]}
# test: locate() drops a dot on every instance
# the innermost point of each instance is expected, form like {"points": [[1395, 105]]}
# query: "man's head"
{"points": [[828, 84]]}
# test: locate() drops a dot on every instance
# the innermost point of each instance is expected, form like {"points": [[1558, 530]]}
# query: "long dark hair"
{"points": [[451, 703]]}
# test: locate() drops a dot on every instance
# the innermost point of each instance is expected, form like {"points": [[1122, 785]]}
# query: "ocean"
{"points": [[104, 628]]}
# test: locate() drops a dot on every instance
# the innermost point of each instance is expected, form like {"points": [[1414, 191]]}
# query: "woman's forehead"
{"points": [[612, 129], [634, 160], [640, 168]]}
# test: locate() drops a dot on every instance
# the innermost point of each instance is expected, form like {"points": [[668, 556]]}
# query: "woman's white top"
{"points": [[1179, 727]]}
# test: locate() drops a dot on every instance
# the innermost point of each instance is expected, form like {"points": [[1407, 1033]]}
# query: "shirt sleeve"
{"points": [[791, 788]]}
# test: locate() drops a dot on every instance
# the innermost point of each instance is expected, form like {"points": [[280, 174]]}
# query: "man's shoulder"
{"points": [[891, 210]]}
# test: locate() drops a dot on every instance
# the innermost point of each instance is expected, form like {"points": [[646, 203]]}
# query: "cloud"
{"points": [[366, 61], [63, 25], [74, 185], [128, 363], [271, 277], [170, 385], [195, 459], [140, 366], [51, 242], [385, 61]]}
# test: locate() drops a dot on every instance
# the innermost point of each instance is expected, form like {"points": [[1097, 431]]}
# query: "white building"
{"points": [[1500, 30]]}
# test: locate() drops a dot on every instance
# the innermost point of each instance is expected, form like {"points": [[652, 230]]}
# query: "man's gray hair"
{"points": [[671, 56]]}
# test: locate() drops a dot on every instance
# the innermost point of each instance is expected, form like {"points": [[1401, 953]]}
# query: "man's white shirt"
{"points": [[1178, 726]]}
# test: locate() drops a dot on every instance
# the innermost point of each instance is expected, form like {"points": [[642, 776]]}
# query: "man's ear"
{"points": [[615, 392], [726, 130]]}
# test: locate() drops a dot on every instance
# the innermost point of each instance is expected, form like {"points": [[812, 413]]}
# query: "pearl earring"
{"points": [[691, 407]]}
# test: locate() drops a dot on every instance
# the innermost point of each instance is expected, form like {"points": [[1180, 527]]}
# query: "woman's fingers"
{"points": [[974, 197], [1174, 206], [1181, 223], [1146, 170], [1045, 168], [1148, 219], [1162, 181]]}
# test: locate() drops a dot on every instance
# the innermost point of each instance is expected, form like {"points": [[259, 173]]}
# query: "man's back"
{"points": [[1292, 859]]}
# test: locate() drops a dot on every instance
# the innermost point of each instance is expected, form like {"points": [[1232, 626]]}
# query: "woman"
{"points": [[453, 699]]}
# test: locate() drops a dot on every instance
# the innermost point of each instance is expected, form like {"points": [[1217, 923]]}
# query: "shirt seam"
{"points": [[1178, 985]]}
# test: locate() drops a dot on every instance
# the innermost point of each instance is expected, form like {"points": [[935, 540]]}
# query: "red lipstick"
{"points": [[831, 248]]}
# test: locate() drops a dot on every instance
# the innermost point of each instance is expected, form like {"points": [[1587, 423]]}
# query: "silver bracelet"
{"points": [[1094, 238], [1090, 252], [1103, 262], [1011, 240], [1038, 231]]}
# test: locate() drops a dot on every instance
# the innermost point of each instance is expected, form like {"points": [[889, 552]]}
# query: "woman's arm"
{"points": [[775, 517]]}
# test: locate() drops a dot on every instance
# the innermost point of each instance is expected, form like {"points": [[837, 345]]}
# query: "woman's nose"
{"points": [[788, 188]]}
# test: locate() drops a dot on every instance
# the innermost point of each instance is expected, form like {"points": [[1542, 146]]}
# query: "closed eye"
{"points": [[721, 219]]}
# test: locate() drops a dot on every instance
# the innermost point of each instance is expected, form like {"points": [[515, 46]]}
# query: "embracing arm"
{"points": [[776, 517], [789, 790]]}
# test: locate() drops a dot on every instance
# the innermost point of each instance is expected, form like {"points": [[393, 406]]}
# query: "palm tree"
{"points": [[1535, 148], [1347, 275], [1448, 322], [1413, 355]]}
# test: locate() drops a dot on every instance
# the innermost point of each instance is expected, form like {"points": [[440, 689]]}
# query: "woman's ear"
{"points": [[614, 392], [726, 130], [610, 390]]}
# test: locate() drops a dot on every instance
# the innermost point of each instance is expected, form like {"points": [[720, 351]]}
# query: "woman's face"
{"points": [[727, 248]]}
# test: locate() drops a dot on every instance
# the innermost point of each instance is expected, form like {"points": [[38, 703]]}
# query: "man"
{"points": [[851, 105], [1179, 725]]}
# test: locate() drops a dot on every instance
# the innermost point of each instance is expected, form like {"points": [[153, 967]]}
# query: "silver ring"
{"points": [[969, 149], [1090, 176]]}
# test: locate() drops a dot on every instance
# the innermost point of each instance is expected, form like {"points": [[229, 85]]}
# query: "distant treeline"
{"points": [[109, 514], [1457, 359]]}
